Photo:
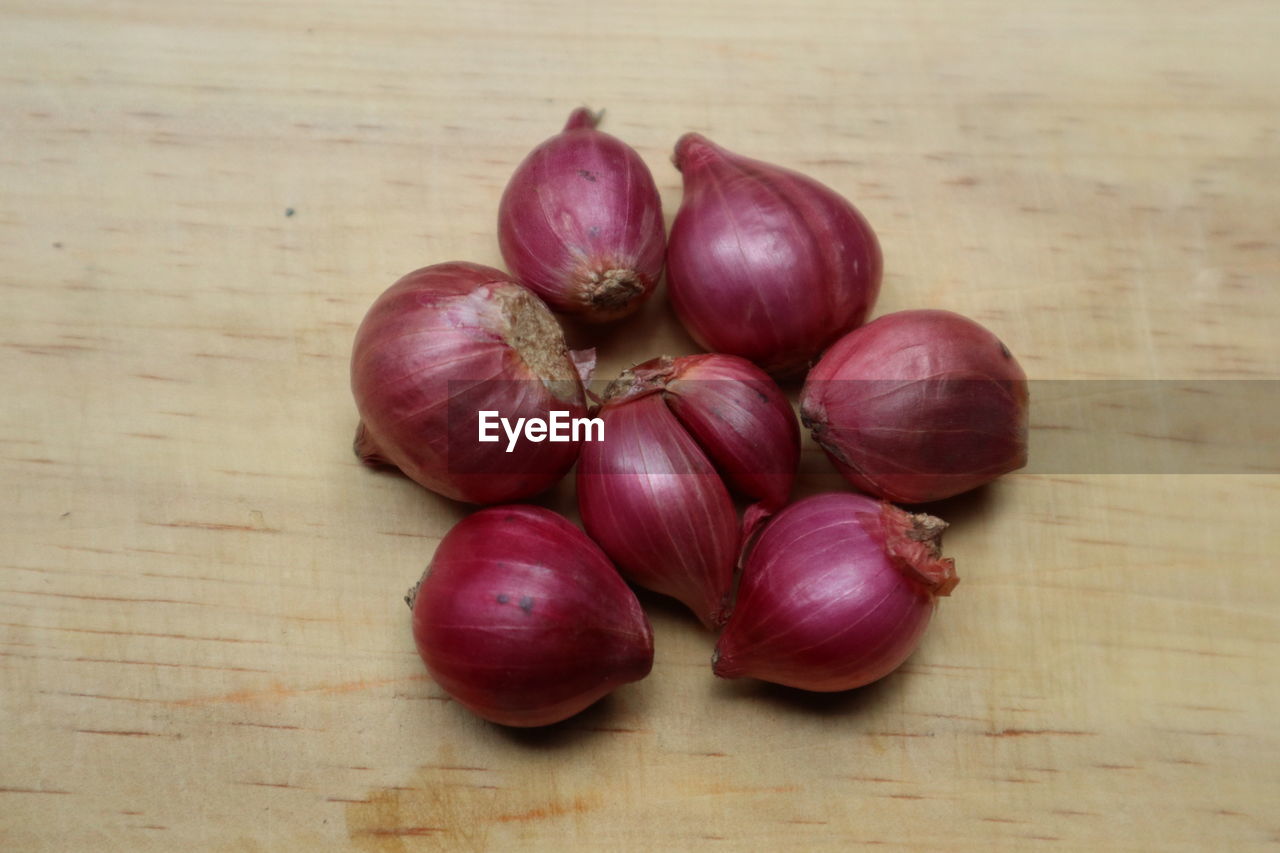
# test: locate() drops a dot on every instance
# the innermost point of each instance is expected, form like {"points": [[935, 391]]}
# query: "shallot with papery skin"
{"points": [[764, 262], [524, 621], [650, 493], [835, 594], [443, 344], [918, 406], [652, 500], [580, 223], [739, 416]]}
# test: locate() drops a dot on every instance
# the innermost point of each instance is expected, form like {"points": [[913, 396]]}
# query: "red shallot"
{"points": [[524, 621], [580, 223], [835, 594], [918, 406], [650, 493], [764, 262], [739, 416], [442, 345]]}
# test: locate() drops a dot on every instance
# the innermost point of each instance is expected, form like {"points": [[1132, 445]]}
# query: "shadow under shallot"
{"points": [[614, 342], [561, 497], [846, 704], [600, 719], [961, 509], [661, 608]]}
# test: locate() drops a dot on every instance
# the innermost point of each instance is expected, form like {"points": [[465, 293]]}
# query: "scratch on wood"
{"points": [[106, 597], [81, 695], [616, 730], [577, 805], [280, 691], [194, 637], [125, 662], [401, 830], [1044, 732], [87, 549], [211, 525], [752, 789], [271, 785]]}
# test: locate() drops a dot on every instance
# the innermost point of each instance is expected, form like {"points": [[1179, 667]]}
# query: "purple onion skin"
{"points": [[524, 621], [766, 263], [743, 421], [580, 223], [918, 406], [462, 329], [835, 594], [651, 499]]}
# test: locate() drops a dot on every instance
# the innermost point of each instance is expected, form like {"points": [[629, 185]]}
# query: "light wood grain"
{"points": [[202, 643]]}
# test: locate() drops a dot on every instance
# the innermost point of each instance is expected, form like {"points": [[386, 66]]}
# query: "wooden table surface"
{"points": [[202, 638]]}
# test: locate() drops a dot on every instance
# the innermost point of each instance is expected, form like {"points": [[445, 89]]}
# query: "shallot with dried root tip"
{"points": [[835, 594], [444, 344], [580, 223], [918, 406]]}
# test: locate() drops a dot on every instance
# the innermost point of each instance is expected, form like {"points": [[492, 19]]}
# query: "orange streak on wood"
{"points": [[279, 692], [577, 805]]}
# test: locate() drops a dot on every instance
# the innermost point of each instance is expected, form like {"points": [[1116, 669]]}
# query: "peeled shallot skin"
{"points": [[918, 406], [835, 594], [442, 344], [652, 500], [766, 263], [524, 621], [580, 223]]}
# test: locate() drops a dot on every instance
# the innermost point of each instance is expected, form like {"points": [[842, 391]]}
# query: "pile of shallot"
{"points": [[684, 484]]}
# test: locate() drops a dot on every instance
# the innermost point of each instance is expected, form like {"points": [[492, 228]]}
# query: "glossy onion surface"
{"points": [[580, 223], [764, 262], [442, 344], [835, 594], [651, 498], [918, 406], [523, 620], [678, 433]]}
